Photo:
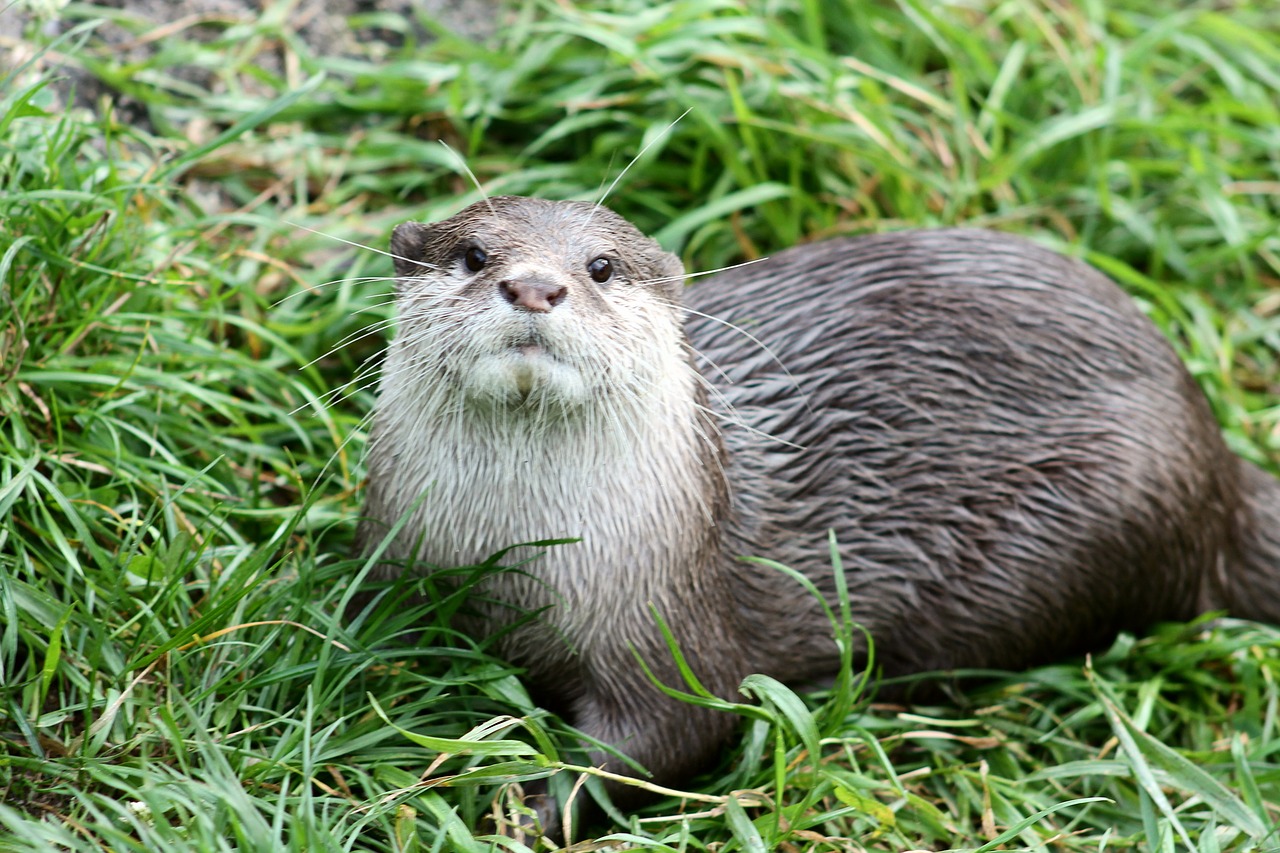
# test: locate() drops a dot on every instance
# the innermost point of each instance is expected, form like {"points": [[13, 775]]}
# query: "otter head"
{"points": [[531, 303]]}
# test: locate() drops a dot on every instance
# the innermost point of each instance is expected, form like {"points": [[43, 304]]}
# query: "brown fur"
{"points": [[1014, 462]]}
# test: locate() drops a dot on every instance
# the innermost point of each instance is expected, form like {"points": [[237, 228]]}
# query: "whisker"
{"points": [[419, 342], [315, 288], [652, 142], [393, 255], [605, 175], [329, 397], [690, 275], [358, 335], [359, 428], [763, 348], [728, 413], [470, 174], [742, 424]]}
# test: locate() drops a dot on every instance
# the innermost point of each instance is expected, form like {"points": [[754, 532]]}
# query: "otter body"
{"points": [[1014, 462]]}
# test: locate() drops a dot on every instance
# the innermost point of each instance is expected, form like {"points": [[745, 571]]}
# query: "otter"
{"points": [[1013, 461]]}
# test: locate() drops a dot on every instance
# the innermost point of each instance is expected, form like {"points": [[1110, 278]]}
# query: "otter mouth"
{"points": [[531, 345], [521, 366], [534, 364], [530, 349]]}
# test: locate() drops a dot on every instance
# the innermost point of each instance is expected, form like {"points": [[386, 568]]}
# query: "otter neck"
{"points": [[637, 477]]}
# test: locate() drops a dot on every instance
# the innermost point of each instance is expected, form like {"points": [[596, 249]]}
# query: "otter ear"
{"points": [[671, 272], [408, 241]]}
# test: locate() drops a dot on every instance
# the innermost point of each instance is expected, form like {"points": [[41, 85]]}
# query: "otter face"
{"points": [[524, 302]]}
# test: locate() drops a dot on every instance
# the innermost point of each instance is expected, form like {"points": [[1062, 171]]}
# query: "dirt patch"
{"points": [[130, 32]]}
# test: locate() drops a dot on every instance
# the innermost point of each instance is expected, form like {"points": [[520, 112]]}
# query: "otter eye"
{"points": [[601, 270], [475, 259]]}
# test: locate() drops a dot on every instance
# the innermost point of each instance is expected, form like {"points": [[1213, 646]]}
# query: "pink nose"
{"points": [[533, 294]]}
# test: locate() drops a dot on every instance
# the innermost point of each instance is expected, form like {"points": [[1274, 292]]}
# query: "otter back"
{"points": [[1014, 461]]}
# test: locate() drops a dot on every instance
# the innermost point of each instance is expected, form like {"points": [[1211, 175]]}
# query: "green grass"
{"points": [[178, 487]]}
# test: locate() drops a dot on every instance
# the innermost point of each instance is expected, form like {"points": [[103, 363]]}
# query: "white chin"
{"points": [[516, 377]]}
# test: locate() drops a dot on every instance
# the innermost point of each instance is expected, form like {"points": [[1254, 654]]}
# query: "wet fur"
{"points": [[1013, 460]]}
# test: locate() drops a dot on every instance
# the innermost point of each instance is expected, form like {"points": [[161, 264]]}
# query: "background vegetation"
{"points": [[183, 332]]}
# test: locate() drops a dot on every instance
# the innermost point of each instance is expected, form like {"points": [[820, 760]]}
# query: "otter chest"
{"points": [[479, 492]]}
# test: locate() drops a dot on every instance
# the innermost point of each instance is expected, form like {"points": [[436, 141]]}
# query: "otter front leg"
{"points": [[671, 740]]}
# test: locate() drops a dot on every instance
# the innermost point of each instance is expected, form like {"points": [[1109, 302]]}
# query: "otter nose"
{"points": [[532, 293]]}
